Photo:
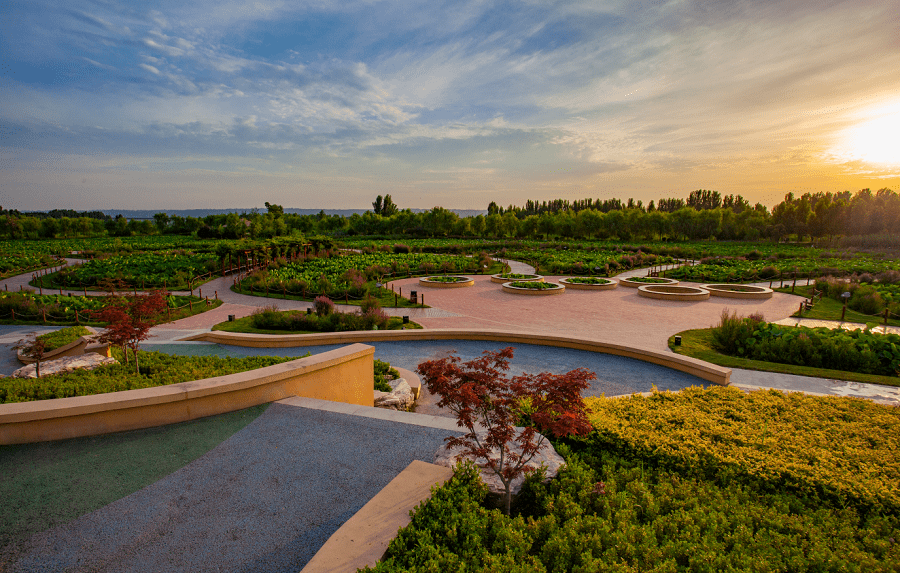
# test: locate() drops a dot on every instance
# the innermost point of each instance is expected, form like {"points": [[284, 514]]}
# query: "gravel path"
{"points": [[266, 499]]}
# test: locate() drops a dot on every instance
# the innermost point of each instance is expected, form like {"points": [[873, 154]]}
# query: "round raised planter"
{"points": [[553, 289], [604, 284], [673, 292], [739, 291], [630, 282], [445, 282], [505, 278]]}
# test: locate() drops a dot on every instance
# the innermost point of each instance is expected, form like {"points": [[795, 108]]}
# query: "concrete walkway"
{"points": [[266, 499]]}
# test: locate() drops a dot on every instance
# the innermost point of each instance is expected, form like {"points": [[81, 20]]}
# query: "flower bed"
{"points": [[669, 292], [589, 283], [739, 291], [635, 282], [533, 288], [507, 277], [447, 282]]}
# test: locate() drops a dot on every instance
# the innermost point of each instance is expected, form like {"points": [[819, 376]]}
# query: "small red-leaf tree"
{"points": [[129, 324], [488, 405], [33, 347]]}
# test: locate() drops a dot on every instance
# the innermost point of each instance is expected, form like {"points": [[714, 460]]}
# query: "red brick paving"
{"points": [[619, 316]]}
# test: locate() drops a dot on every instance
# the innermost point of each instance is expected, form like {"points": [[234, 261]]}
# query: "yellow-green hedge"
{"points": [[842, 449]]}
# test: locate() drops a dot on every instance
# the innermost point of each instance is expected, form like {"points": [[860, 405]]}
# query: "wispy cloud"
{"points": [[503, 100]]}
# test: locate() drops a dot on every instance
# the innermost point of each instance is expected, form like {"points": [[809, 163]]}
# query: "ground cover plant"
{"points": [[835, 349], [12, 264], [382, 371], [354, 277], [698, 343], [514, 276], [588, 281], [156, 369], [59, 338], [647, 280], [534, 285], [29, 308], [727, 269], [170, 270], [703, 480], [447, 279], [827, 308]]}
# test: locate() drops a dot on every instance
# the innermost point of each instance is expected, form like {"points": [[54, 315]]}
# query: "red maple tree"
{"points": [[34, 347], [489, 405], [130, 323]]}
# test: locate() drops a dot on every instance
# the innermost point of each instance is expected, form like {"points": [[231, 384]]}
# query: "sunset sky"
{"points": [[228, 104]]}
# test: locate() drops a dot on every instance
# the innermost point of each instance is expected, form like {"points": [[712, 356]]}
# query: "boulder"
{"points": [[67, 364], [399, 398], [552, 461]]}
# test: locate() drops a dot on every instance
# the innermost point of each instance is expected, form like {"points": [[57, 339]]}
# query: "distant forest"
{"points": [[703, 215]]}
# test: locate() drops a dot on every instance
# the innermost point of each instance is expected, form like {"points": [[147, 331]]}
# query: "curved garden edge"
{"points": [[701, 369], [739, 291], [558, 289], [340, 375], [635, 284], [696, 344], [465, 282], [82, 345], [673, 292], [582, 286]]}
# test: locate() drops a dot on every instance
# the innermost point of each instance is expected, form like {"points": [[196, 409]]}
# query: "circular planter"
{"points": [[636, 284], [608, 285], [528, 278], [555, 289], [459, 282], [739, 291], [671, 292]]}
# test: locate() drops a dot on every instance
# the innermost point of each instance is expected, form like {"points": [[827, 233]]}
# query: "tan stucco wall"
{"points": [[340, 375]]}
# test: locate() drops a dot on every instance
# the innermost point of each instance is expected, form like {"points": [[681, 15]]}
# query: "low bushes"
{"points": [[382, 370], [157, 369], [325, 319], [59, 338], [837, 349], [691, 482], [533, 285]]}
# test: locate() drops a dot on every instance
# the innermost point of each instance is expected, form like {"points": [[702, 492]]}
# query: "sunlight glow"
{"points": [[874, 141]]}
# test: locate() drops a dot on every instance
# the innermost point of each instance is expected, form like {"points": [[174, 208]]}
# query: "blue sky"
{"points": [[324, 104]]}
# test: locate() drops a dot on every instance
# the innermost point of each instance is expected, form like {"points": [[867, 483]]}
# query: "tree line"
{"points": [[703, 215]]}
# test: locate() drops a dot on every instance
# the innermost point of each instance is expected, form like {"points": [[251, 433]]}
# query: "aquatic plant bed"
{"points": [[670, 292], [446, 282], [635, 282], [506, 277], [589, 283], [739, 291], [533, 288]]}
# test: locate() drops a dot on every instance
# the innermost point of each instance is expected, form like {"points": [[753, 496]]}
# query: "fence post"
{"points": [[44, 315], [77, 318], [13, 311], [217, 295], [191, 305]]}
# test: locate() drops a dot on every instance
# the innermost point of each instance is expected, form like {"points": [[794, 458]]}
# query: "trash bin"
{"points": [[230, 318], [414, 296]]}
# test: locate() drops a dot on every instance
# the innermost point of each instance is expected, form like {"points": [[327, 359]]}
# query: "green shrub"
{"points": [[60, 338], [157, 369], [382, 369]]}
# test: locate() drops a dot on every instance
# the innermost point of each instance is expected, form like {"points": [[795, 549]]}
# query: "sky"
{"points": [[165, 104]]}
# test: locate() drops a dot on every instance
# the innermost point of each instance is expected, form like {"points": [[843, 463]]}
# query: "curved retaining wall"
{"points": [[78, 347], [754, 292], [635, 284], [582, 286], [341, 375], [673, 292], [436, 284], [500, 280], [705, 370]]}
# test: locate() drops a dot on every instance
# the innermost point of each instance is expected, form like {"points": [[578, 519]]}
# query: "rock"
{"points": [[399, 398], [547, 455], [69, 363]]}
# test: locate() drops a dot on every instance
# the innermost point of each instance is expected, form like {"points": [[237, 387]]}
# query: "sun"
{"points": [[875, 140]]}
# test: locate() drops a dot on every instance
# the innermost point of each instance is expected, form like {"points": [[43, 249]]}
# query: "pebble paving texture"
{"points": [[265, 499]]}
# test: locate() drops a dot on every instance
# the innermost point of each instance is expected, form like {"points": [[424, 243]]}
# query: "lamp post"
{"points": [[846, 297]]}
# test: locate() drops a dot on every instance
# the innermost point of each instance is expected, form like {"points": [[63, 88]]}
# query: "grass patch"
{"points": [[50, 483], [60, 338], [698, 344], [245, 325], [384, 297], [830, 309]]}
